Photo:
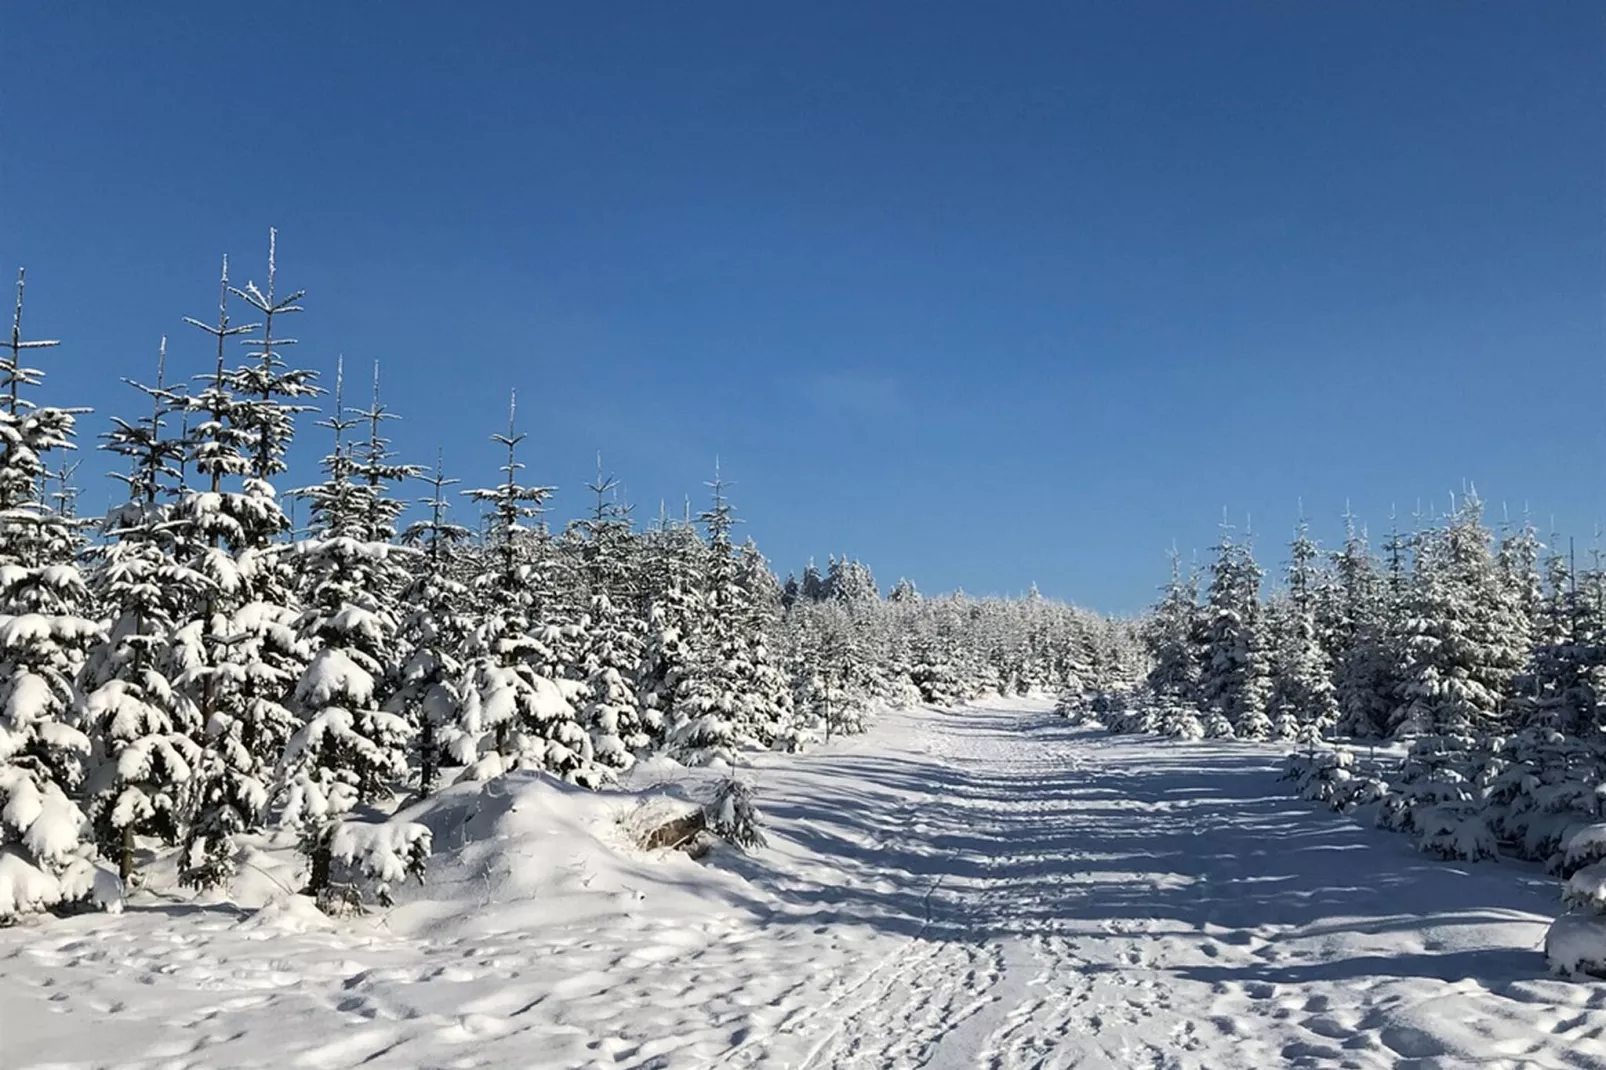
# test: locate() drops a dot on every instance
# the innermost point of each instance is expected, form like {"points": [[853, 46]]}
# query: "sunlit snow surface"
{"points": [[983, 888]]}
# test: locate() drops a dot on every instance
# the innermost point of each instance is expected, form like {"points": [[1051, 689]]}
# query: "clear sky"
{"points": [[984, 294]]}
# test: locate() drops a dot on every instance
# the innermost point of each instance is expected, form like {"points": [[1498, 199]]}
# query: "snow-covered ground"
{"points": [[981, 888]]}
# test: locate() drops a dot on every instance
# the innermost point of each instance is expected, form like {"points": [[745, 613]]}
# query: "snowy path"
{"points": [[985, 888]]}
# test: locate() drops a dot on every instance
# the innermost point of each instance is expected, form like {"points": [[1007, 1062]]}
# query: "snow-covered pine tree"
{"points": [[672, 577], [932, 670], [1564, 687], [237, 652], [824, 699], [143, 727], [851, 583], [1465, 640], [350, 748], [732, 816], [374, 467], [1521, 586], [45, 841], [1169, 635], [1233, 677], [514, 716], [720, 710], [435, 623], [1173, 676], [1302, 703], [903, 591], [1365, 672], [814, 588], [767, 687], [612, 650]]}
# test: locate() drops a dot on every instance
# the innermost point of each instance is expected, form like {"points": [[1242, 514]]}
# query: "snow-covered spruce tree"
{"points": [[514, 717], [434, 626], [45, 849], [612, 648], [349, 748], [734, 697], [1552, 619], [1216, 725], [143, 727], [824, 655], [1169, 635], [1520, 583], [238, 654], [732, 816], [374, 467], [672, 577], [611, 710], [1366, 663], [904, 592], [851, 583], [1575, 944], [1464, 637], [768, 687], [1302, 703], [813, 586], [1234, 674], [1564, 688], [933, 671]]}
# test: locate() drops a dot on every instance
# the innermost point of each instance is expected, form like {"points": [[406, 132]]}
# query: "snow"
{"points": [[381, 851], [1576, 944], [987, 887]]}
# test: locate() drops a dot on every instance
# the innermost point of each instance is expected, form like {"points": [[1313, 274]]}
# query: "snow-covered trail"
{"points": [[979, 888]]}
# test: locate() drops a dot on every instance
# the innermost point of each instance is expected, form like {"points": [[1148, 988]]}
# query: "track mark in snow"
{"points": [[981, 888]]}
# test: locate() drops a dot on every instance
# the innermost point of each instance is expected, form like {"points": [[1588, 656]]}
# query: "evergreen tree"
{"points": [[903, 591], [434, 627], [850, 583], [1302, 701], [45, 849], [1234, 674], [1365, 672], [238, 653], [143, 727], [814, 587], [1464, 639], [674, 568], [1521, 585], [708, 725], [350, 747], [374, 468], [1174, 673], [515, 715], [612, 650]]}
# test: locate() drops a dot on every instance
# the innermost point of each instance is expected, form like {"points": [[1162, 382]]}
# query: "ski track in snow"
{"points": [[985, 888]]}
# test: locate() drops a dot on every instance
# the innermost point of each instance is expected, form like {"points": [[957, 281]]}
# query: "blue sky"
{"points": [[981, 294]]}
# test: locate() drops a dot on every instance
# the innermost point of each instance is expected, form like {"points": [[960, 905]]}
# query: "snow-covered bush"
{"points": [[732, 816], [1216, 725], [387, 852], [1322, 775], [1179, 722], [1584, 847], [1454, 831], [1576, 944]]}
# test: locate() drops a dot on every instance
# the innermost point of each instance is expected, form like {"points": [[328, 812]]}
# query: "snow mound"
{"points": [[1576, 944], [288, 914], [527, 851]]}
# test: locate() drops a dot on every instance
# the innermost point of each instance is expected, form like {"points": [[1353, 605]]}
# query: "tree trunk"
{"points": [[318, 879], [426, 748], [125, 859]]}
